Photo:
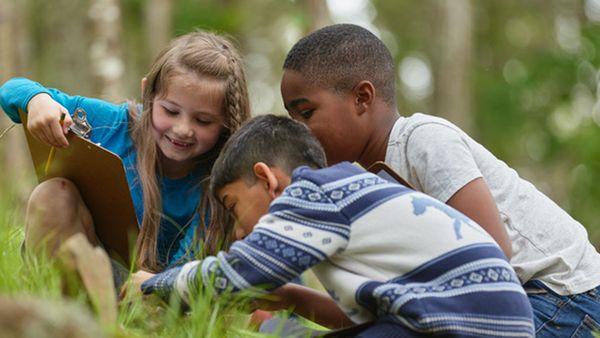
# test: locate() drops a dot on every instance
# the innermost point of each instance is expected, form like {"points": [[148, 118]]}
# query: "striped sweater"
{"points": [[380, 250]]}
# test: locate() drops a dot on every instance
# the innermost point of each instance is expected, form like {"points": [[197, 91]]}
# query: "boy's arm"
{"points": [[261, 262], [447, 171], [308, 303], [475, 200], [285, 243]]}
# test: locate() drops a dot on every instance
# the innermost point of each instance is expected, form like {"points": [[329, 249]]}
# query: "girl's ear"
{"points": [[265, 175], [364, 94], [143, 85]]}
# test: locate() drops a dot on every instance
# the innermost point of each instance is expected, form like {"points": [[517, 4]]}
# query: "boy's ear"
{"points": [[143, 85], [364, 94], [265, 175]]}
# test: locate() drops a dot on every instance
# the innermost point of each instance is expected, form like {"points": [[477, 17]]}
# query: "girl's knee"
{"points": [[56, 211], [56, 193]]}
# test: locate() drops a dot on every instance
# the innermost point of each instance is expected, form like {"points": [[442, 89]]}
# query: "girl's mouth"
{"points": [[177, 143]]}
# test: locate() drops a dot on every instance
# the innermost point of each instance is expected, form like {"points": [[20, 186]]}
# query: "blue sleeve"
{"points": [[16, 93], [103, 116]]}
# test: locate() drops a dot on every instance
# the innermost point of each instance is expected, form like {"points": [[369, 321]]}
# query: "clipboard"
{"points": [[100, 178], [382, 170]]}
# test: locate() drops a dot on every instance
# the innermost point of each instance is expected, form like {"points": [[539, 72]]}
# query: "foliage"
{"points": [[23, 276], [535, 92], [534, 82]]}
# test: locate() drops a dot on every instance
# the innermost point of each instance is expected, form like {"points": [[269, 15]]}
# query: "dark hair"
{"points": [[274, 140], [340, 56]]}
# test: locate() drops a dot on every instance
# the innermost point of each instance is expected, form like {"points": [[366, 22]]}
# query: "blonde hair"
{"points": [[206, 55]]}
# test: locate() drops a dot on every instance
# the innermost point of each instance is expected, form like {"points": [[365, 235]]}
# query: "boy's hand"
{"points": [[43, 120], [181, 279], [140, 277], [134, 284], [161, 284], [277, 300]]}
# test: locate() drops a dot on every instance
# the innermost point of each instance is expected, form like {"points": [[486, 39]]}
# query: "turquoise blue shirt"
{"points": [[110, 128]]}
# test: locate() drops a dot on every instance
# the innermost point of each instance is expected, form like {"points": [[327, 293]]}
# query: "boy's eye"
{"points": [[306, 114]]}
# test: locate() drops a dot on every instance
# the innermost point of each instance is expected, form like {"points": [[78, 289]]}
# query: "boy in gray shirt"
{"points": [[339, 81]]}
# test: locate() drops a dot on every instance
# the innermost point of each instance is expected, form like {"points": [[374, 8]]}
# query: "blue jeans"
{"points": [[564, 316]]}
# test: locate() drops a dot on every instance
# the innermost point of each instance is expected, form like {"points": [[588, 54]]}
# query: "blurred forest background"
{"points": [[520, 76]]}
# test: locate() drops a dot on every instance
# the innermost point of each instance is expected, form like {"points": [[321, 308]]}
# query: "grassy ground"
{"points": [[25, 279]]}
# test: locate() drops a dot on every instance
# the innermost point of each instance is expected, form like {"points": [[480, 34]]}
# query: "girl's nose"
{"points": [[183, 129]]}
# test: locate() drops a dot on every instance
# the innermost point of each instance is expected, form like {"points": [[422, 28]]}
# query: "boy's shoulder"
{"points": [[342, 187], [324, 176], [426, 124]]}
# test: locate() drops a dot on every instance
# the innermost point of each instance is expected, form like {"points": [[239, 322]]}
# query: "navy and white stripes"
{"points": [[382, 251]]}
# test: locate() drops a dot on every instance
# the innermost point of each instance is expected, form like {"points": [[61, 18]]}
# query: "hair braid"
{"points": [[236, 96], [207, 55]]}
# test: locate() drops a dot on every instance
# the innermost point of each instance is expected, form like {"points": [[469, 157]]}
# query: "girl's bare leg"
{"points": [[55, 212]]}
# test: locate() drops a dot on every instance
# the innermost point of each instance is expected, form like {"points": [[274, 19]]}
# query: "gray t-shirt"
{"points": [[438, 158]]}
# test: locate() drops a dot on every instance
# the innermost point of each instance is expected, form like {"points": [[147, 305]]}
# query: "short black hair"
{"points": [[274, 140], [339, 56]]}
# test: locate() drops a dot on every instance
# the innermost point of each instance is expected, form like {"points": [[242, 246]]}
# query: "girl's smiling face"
{"points": [[187, 121]]}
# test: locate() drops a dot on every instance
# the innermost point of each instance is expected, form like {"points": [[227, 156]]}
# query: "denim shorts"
{"points": [[564, 316]]}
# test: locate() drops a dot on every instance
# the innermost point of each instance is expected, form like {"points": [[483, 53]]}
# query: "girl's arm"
{"points": [[45, 106], [308, 303], [48, 121], [16, 93]]}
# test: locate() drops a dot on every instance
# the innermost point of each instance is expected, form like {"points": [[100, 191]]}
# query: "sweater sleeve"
{"points": [[303, 228]]}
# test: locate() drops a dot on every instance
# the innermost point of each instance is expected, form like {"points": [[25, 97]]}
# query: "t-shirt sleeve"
{"points": [[441, 160]]}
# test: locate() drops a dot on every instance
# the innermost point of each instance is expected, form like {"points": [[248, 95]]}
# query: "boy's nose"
{"points": [[239, 233]]}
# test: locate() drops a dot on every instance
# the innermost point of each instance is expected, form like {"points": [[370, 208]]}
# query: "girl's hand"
{"points": [[43, 120]]}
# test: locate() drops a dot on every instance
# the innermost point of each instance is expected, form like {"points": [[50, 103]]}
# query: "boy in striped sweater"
{"points": [[385, 253]]}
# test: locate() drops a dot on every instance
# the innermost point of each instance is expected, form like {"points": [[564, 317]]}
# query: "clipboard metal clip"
{"points": [[80, 125]]}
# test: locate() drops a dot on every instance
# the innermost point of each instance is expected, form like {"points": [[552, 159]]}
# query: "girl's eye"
{"points": [[307, 113], [170, 112], [203, 122]]}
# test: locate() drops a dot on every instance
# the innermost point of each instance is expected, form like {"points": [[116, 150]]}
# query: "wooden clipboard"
{"points": [[100, 178], [382, 170]]}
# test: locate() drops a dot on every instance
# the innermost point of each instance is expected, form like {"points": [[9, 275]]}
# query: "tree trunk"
{"points": [[13, 147], [105, 51], [318, 14], [454, 94], [158, 23]]}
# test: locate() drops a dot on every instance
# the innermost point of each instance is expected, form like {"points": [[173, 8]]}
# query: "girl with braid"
{"points": [[193, 98]]}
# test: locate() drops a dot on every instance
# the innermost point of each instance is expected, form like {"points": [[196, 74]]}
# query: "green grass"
{"points": [[24, 278]]}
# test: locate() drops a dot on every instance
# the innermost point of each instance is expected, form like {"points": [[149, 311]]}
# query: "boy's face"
{"points": [[332, 117], [247, 202]]}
